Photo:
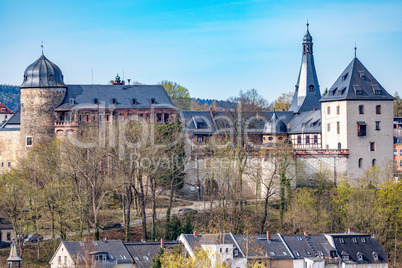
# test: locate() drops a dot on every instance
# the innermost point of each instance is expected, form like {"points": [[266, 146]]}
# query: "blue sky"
{"points": [[214, 48]]}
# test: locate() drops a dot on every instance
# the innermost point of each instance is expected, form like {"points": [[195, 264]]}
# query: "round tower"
{"points": [[42, 91]]}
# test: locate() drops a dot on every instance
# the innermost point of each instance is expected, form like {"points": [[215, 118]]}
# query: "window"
{"points": [[133, 101], [2, 164], [360, 165], [159, 118], [87, 118], [400, 152], [59, 259], [345, 258], [29, 141], [113, 101], [400, 163], [378, 109], [361, 109], [71, 101], [65, 259], [308, 252], [8, 164], [344, 77], [166, 118], [375, 256], [354, 240], [315, 139], [152, 101], [236, 252], [227, 250], [328, 127], [362, 75], [372, 146], [373, 162], [377, 125], [396, 152], [359, 257], [307, 139], [311, 88], [96, 101], [50, 77], [361, 129], [363, 240], [8, 236], [107, 117], [339, 146], [220, 250], [338, 127], [200, 139], [298, 139], [337, 109], [329, 110]]}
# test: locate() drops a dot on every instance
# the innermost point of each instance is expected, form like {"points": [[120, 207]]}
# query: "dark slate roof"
{"points": [[83, 97], [43, 73], [13, 122], [356, 83], [258, 246], [366, 248], [6, 226], [274, 126], [198, 122], [305, 99], [114, 248], [143, 252], [306, 122], [308, 246]]}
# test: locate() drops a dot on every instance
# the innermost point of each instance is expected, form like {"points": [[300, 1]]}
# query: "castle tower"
{"points": [[307, 92], [357, 114], [42, 91]]}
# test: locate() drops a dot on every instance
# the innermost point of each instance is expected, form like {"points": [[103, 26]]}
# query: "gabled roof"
{"points": [[84, 96], [306, 122], [309, 246], [114, 248], [258, 246], [13, 122], [143, 252], [198, 122], [356, 83], [353, 243], [4, 109]]}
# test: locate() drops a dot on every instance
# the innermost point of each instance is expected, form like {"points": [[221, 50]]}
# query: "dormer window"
{"points": [[358, 90], [311, 88], [342, 240], [152, 101], [50, 77], [363, 240], [362, 75], [359, 256], [345, 258], [71, 101], [25, 78], [354, 240], [133, 101], [96, 101], [113, 101], [375, 256], [342, 91], [344, 77]]}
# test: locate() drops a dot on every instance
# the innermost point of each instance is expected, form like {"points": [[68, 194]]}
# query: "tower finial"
{"points": [[307, 24], [355, 49], [42, 47]]}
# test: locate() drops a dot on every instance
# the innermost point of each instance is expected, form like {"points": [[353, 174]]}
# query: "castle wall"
{"points": [[9, 149], [37, 115]]}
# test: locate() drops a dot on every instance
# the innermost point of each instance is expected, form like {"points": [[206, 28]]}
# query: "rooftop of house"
{"points": [[4, 109], [309, 246]]}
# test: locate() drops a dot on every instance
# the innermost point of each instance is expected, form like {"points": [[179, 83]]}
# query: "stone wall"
{"points": [[9, 148]]}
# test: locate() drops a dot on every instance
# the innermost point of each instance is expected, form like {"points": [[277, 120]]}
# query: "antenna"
{"points": [[42, 47], [355, 49]]}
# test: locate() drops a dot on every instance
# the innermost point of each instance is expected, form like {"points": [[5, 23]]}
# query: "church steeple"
{"points": [[307, 92]]}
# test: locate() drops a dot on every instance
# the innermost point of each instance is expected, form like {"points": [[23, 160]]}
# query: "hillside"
{"points": [[10, 96]]}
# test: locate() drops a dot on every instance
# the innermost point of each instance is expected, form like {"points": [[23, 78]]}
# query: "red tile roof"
{"points": [[4, 109]]}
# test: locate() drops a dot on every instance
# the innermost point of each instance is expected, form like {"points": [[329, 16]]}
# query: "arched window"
{"points": [[311, 88], [373, 162], [360, 162], [133, 101], [50, 77], [339, 146]]}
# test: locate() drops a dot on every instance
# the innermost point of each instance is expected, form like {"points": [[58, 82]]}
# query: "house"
{"points": [[5, 113], [143, 252], [358, 250], [6, 229], [106, 253], [219, 247]]}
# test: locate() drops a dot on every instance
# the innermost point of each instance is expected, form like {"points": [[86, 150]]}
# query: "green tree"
{"points": [[397, 105], [283, 102], [178, 94]]}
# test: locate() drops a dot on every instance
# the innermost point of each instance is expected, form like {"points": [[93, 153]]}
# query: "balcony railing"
{"points": [[323, 153]]}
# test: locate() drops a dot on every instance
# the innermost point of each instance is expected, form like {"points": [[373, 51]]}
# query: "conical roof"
{"points": [[14, 254], [275, 126], [42, 73], [356, 83]]}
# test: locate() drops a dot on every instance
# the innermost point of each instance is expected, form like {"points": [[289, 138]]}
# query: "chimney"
{"points": [[268, 235], [156, 239], [195, 233], [128, 80], [305, 234], [142, 240], [351, 230], [105, 238], [162, 243]]}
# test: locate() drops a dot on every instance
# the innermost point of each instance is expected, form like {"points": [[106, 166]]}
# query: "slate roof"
{"points": [[13, 122], [42, 73], [143, 252], [4, 109], [274, 126], [306, 99], [306, 122], [192, 120], [356, 83], [309, 246], [364, 244], [114, 248], [209, 239], [83, 97], [257, 246]]}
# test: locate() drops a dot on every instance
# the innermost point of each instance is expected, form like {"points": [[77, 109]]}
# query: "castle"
{"points": [[348, 129]]}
